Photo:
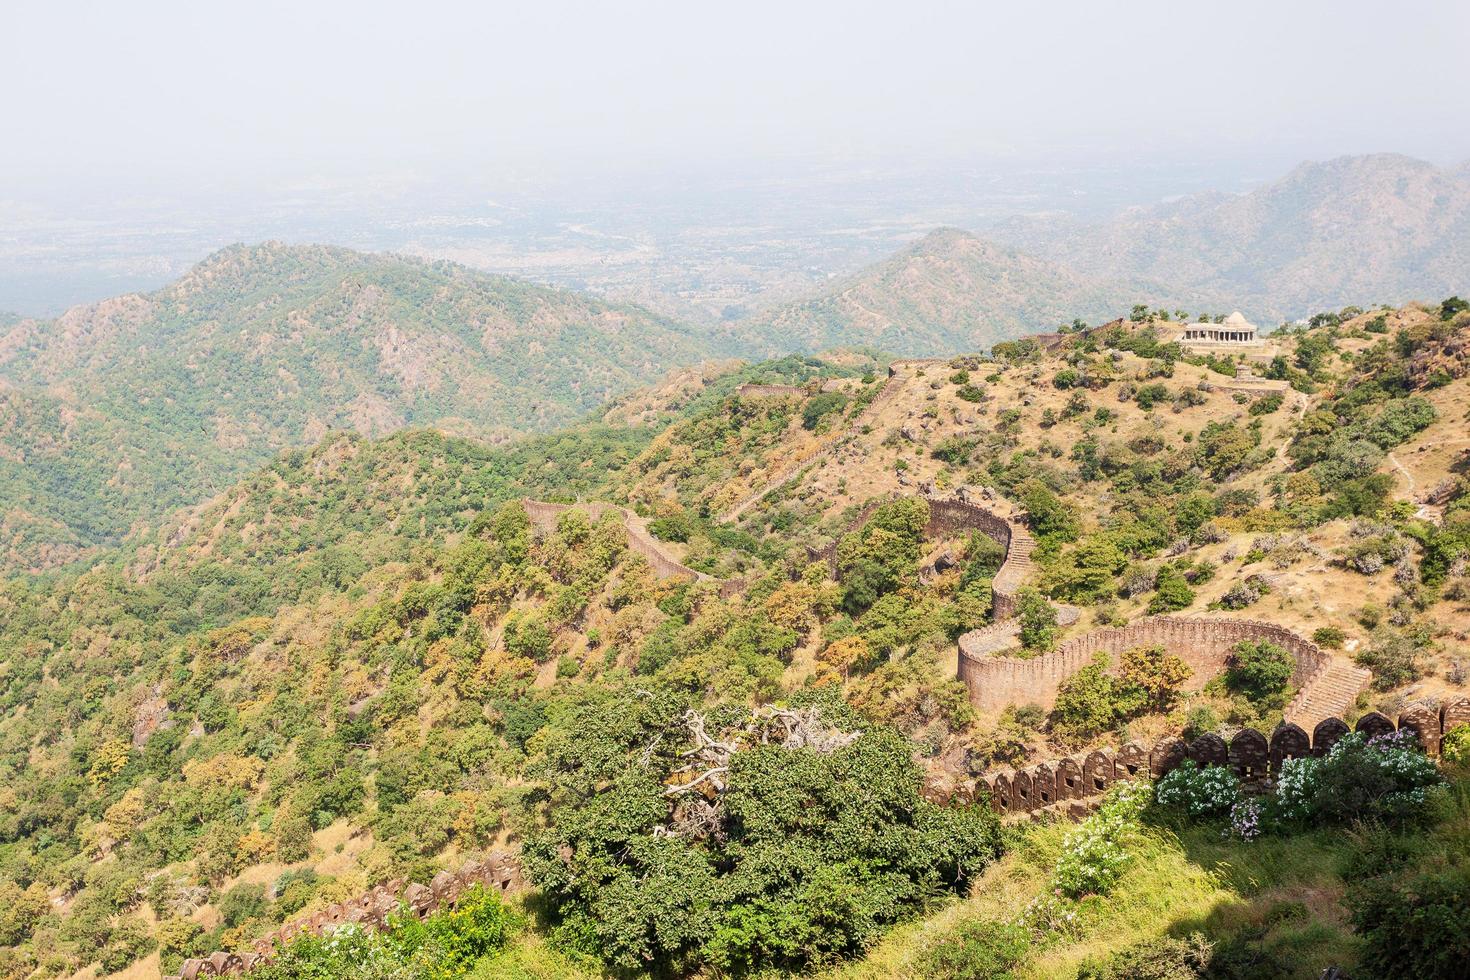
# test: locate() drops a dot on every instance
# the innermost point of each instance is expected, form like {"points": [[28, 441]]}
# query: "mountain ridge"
{"points": [[1349, 230], [948, 292]]}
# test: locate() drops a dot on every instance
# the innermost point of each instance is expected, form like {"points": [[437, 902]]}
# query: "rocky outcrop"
{"points": [[499, 872]]}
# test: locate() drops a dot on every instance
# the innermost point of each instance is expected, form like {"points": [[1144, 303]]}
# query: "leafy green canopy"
{"points": [[808, 857]]}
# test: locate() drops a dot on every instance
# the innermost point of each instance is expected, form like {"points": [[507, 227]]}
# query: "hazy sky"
{"points": [[114, 93]]}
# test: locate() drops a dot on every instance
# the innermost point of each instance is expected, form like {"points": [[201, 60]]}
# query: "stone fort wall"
{"points": [[1203, 643], [1063, 785], [544, 516], [749, 390], [885, 394]]}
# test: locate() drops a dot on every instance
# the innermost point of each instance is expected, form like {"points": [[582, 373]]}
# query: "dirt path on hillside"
{"points": [[1299, 403], [1404, 470]]}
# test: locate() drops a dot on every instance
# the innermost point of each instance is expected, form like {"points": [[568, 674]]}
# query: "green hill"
{"points": [[119, 410]]}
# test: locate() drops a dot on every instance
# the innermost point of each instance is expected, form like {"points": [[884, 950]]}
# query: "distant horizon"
{"points": [[387, 223]]}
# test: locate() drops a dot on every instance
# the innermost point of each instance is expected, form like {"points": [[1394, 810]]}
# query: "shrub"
{"points": [[980, 949], [1239, 596], [1091, 702], [1173, 592], [1150, 395], [1201, 720], [1095, 855], [1393, 656], [443, 946], [954, 450], [1329, 637], [1384, 778], [1414, 925], [1267, 404], [1456, 745], [1163, 958], [241, 903], [1207, 792], [1261, 672]]}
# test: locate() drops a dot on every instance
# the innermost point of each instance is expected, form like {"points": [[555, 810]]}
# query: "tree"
{"points": [[1260, 672], [1087, 571], [20, 910], [1038, 620], [1156, 672], [875, 559], [1091, 702], [787, 857], [293, 837], [1172, 591], [1049, 517], [845, 653], [820, 406], [1224, 449]]}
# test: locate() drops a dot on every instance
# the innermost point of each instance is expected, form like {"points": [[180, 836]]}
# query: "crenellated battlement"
{"points": [[1204, 643], [1065, 785]]}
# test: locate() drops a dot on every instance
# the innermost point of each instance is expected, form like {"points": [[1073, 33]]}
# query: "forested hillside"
{"points": [[126, 408], [368, 661]]}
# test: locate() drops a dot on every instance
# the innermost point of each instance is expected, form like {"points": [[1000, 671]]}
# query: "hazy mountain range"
{"points": [[1370, 229], [122, 409]]}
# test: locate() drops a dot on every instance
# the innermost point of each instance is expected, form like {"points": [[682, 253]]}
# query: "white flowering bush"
{"points": [[1385, 777], [1296, 791], [444, 946], [1050, 913], [1095, 855], [1206, 792]]}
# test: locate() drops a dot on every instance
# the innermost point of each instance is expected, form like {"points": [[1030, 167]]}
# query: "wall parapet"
{"points": [[1204, 643], [499, 872], [1062, 785]]}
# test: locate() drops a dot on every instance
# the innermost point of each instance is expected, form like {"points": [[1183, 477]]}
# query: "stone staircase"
{"points": [[1328, 695]]}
